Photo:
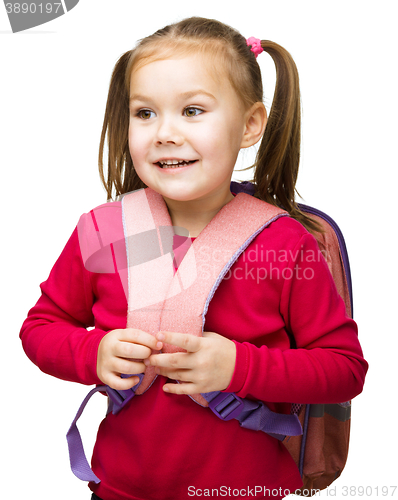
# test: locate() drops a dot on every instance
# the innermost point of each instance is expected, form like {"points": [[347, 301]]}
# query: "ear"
{"points": [[256, 121]]}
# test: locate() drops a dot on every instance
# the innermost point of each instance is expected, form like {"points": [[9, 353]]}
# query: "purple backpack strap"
{"points": [[225, 405], [254, 415], [78, 460]]}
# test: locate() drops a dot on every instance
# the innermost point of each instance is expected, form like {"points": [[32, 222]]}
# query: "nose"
{"points": [[168, 133]]}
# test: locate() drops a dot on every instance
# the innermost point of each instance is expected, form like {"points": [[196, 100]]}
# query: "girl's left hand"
{"points": [[208, 364]]}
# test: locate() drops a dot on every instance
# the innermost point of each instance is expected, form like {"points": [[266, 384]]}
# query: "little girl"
{"points": [[181, 105]]}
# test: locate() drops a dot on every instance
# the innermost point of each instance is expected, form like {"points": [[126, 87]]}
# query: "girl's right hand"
{"points": [[123, 352]]}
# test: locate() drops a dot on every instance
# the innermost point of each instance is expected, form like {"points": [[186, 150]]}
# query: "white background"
{"points": [[53, 90]]}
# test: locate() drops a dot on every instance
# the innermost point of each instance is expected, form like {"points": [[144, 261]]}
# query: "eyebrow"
{"points": [[185, 95]]}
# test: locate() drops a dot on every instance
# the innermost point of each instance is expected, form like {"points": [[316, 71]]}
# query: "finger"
{"points": [[186, 341], [177, 360], [179, 375], [121, 384], [136, 336], [127, 367], [132, 351], [181, 388]]}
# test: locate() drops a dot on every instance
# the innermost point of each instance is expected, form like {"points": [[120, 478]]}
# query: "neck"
{"points": [[195, 215]]}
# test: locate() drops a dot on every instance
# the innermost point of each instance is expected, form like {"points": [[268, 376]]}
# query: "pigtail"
{"points": [[278, 157], [121, 174]]}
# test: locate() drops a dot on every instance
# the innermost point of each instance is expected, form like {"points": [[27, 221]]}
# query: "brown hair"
{"points": [[277, 161]]}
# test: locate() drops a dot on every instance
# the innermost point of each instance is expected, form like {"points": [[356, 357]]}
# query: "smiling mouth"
{"points": [[174, 163]]}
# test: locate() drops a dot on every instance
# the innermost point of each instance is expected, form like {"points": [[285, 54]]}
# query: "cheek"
{"points": [[226, 132], [211, 140], [137, 144]]}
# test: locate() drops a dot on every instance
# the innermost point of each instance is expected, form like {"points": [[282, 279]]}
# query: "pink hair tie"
{"points": [[255, 45]]}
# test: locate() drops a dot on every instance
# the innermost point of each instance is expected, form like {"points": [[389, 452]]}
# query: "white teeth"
{"points": [[173, 163]]}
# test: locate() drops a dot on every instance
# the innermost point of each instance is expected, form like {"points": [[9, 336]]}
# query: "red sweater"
{"points": [[164, 446]]}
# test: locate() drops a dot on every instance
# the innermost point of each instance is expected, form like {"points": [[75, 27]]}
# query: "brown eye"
{"points": [[145, 114], [191, 112]]}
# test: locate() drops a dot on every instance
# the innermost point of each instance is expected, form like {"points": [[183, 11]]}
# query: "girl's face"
{"points": [[185, 131]]}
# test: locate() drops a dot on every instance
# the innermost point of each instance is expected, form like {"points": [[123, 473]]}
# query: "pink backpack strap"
{"points": [[162, 299]]}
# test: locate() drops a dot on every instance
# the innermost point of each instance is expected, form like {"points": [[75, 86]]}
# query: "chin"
{"points": [[181, 196]]}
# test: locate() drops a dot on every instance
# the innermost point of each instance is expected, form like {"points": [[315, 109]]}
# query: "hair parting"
{"points": [[278, 156]]}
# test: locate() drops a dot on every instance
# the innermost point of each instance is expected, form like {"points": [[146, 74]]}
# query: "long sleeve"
{"points": [[62, 332], [328, 365], [55, 335]]}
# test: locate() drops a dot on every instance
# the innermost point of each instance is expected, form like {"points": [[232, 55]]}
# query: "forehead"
{"points": [[211, 51], [179, 75]]}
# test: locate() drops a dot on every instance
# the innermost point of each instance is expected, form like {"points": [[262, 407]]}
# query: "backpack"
{"points": [[315, 435], [321, 451]]}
